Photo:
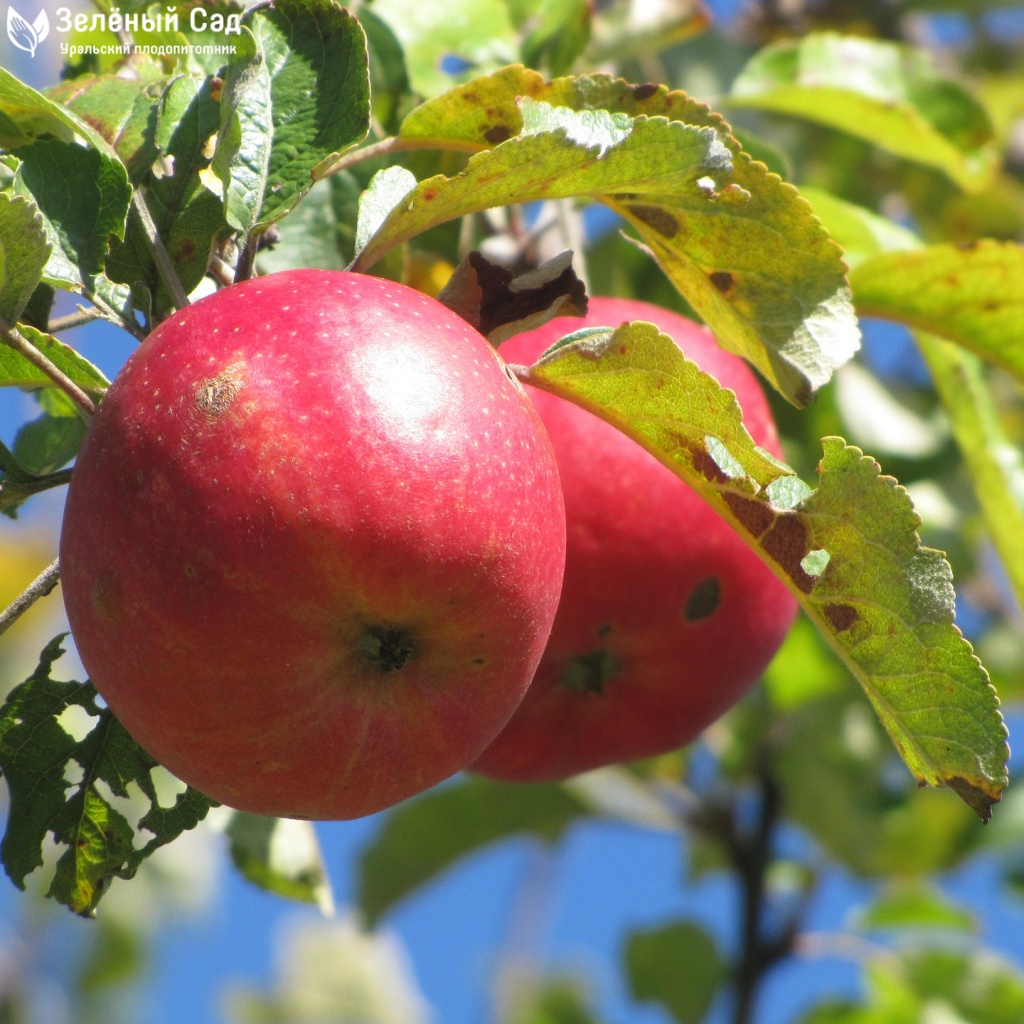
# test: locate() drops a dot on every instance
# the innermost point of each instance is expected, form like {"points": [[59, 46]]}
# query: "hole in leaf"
{"points": [[77, 722], [74, 773], [815, 562], [131, 807], [166, 786]]}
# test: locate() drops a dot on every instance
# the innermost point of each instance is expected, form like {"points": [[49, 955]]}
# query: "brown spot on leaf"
{"points": [[786, 543], [656, 217], [722, 280], [708, 468], [644, 91], [755, 516], [498, 133], [976, 797], [841, 616], [184, 252]]}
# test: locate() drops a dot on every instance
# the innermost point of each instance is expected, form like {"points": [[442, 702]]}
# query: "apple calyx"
{"points": [[386, 647], [588, 673]]}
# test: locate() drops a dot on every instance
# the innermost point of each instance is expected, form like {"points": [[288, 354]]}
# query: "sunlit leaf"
{"points": [[848, 550], [23, 254], [309, 49], [740, 245], [280, 855], [973, 295], [120, 107], [447, 43], [889, 94], [914, 905], [242, 159], [16, 371]]}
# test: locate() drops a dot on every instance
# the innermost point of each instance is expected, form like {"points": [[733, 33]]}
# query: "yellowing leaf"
{"points": [[848, 550]]}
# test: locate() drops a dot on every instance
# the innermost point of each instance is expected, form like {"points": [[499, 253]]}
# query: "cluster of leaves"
{"points": [[134, 183]]}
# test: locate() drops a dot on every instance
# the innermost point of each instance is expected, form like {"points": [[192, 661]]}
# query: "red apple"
{"points": [[313, 544], [666, 617]]}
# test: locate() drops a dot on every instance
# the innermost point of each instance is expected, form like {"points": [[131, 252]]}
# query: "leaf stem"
{"points": [[42, 585], [15, 340], [395, 144], [16, 488], [66, 323], [246, 259], [164, 265]]}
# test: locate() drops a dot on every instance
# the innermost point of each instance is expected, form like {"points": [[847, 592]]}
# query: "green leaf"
{"points": [[550, 1000], [312, 49], [27, 116], [387, 188], [980, 986], [994, 462], [739, 244], [677, 966], [189, 217], [888, 94], [972, 295], [121, 107], [975, 310], [390, 88], [16, 371], [913, 904], [849, 550], [36, 755], [23, 254], [861, 233], [556, 31], [423, 837], [317, 233], [476, 34], [242, 158], [84, 202], [50, 441], [841, 783], [280, 855]]}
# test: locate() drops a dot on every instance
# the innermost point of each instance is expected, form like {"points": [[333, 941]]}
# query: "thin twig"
{"points": [[111, 314], [66, 323], [42, 585], [222, 271], [15, 340], [164, 266]]}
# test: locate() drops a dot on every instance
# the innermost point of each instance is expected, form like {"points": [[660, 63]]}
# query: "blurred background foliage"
{"points": [[794, 796]]}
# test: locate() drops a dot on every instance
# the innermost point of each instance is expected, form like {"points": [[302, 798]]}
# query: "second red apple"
{"points": [[666, 616]]}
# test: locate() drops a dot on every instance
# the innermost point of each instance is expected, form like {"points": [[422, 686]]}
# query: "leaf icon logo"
{"points": [[27, 36]]}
